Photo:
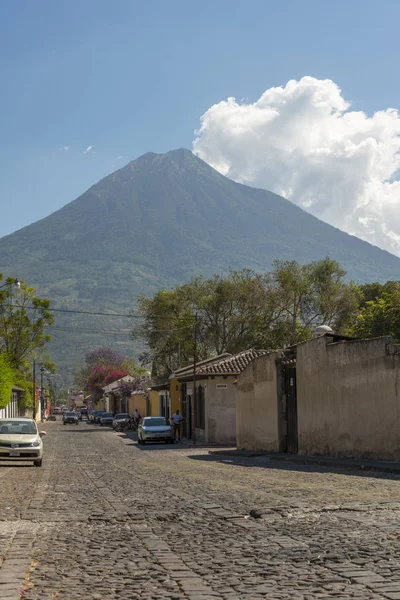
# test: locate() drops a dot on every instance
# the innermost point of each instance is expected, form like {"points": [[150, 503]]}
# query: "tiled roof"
{"points": [[183, 371], [224, 364], [231, 365]]}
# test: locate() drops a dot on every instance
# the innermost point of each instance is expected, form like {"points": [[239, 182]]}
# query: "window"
{"points": [[200, 408]]}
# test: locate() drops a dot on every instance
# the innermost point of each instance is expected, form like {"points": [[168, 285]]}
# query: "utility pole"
{"points": [[194, 394], [41, 395], [34, 391]]}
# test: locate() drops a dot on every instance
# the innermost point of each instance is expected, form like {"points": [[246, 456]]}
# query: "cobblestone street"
{"points": [[107, 519]]}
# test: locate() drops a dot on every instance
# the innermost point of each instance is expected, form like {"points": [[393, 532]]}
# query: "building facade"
{"points": [[329, 395]]}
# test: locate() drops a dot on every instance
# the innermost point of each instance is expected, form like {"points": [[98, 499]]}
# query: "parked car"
{"points": [[84, 410], [118, 419], [99, 414], [20, 440], [57, 411], [70, 417], [93, 414], [155, 429], [106, 418], [78, 412]]}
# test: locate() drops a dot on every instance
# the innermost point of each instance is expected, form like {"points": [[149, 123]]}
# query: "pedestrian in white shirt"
{"points": [[176, 419]]}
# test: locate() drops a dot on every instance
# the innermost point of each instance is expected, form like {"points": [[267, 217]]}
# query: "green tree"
{"points": [[381, 315], [6, 380], [243, 310], [23, 321], [313, 294]]}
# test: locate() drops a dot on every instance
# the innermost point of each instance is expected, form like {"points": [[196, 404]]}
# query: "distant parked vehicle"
{"points": [[57, 411], [99, 414], [93, 415], [106, 418], [119, 419], [78, 412], [155, 429], [70, 417]]}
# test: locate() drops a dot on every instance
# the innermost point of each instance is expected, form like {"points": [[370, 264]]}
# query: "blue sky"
{"points": [[127, 77]]}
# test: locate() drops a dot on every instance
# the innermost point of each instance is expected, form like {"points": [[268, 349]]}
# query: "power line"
{"points": [[100, 314], [111, 331]]}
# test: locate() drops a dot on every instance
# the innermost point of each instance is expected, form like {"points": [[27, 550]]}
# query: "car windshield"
{"points": [[107, 415], [18, 427], [122, 416], [156, 422], [70, 414]]}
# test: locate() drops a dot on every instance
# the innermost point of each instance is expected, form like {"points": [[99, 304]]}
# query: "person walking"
{"points": [[176, 419]]}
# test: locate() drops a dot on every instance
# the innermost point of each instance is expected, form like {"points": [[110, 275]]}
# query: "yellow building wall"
{"points": [[100, 405], [175, 396], [138, 402], [153, 402]]}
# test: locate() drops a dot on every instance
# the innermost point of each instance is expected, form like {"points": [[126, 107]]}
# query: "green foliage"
{"points": [[25, 400], [155, 224], [6, 380], [244, 310], [23, 321], [380, 315]]}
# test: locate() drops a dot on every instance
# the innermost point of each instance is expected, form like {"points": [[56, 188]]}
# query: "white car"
{"points": [[155, 429], [20, 440]]}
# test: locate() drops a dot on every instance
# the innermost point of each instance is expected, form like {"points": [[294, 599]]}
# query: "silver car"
{"points": [[20, 440], [155, 429]]}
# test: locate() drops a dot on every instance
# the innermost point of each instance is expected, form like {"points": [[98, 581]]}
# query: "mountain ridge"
{"points": [[160, 220]]}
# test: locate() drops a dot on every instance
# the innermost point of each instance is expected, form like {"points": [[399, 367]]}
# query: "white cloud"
{"points": [[88, 149], [119, 157], [304, 142], [65, 148]]}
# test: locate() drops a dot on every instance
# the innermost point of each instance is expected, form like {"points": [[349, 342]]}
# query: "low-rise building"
{"points": [[211, 417], [330, 395]]}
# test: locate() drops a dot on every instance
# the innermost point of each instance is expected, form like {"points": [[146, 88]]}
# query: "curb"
{"points": [[323, 461]]}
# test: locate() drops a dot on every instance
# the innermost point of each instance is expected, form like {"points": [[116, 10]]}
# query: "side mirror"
{"points": [[42, 433]]}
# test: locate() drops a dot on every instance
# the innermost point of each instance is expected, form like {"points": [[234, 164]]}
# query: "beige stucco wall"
{"points": [[348, 398], [257, 405], [220, 410]]}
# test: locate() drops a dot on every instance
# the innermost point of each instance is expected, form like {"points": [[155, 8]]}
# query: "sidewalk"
{"points": [[357, 464]]}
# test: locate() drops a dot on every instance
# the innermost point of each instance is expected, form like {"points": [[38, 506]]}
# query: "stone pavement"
{"points": [[107, 519]]}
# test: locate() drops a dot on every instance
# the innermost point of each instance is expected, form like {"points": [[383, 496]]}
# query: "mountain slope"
{"points": [[160, 220]]}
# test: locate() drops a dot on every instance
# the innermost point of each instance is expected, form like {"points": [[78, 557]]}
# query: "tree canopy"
{"points": [[379, 312], [23, 321], [244, 309]]}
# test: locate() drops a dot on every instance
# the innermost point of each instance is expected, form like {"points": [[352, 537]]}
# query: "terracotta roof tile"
{"points": [[231, 365], [224, 364]]}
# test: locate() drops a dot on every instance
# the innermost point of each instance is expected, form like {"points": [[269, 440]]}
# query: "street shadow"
{"points": [[265, 462], [16, 465], [78, 430], [154, 446]]}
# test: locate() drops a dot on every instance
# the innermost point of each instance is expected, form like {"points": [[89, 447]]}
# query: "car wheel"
{"points": [[38, 463]]}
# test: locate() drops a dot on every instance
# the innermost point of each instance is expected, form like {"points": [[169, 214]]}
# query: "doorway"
{"points": [[287, 398]]}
